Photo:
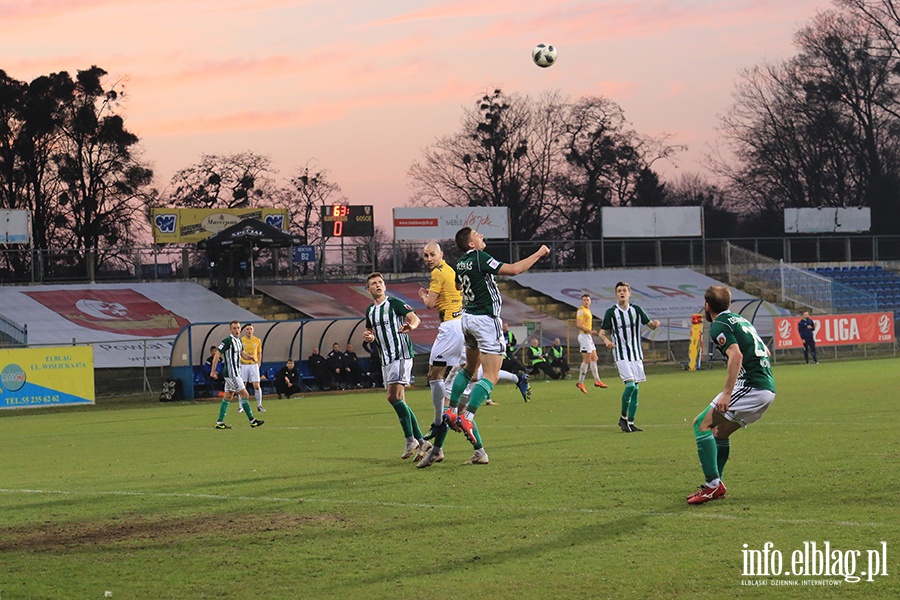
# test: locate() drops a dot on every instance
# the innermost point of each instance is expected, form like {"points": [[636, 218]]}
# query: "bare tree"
{"points": [[310, 189], [884, 16], [819, 129], [503, 156], [242, 180], [606, 164]]}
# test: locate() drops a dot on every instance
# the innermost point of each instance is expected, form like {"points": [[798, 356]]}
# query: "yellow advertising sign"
{"points": [[696, 342], [54, 376], [189, 225]]}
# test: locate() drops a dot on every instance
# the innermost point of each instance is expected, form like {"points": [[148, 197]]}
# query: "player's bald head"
{"points": [[432, 255]]}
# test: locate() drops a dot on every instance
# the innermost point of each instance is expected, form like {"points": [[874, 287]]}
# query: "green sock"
{"points": [[633, 405], [460, 383], [416, 432], [245, 404], [706, 448], [440, 437], [403, 414], [478, 444], [223, 408], [626, 397], [723, 449], [480, 393]]}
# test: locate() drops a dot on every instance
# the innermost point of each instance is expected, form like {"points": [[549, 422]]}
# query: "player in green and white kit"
{"points": [[388, 323], [230, 351], [620, 331], [476, 277], [749, 390]]}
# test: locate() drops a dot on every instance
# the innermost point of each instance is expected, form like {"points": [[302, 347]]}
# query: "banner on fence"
{"points": [[52, 376], [838, 330], [190, 225], [420, 223]]}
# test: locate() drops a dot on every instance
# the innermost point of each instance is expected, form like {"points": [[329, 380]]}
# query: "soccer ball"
{"points": [[544, 55]]}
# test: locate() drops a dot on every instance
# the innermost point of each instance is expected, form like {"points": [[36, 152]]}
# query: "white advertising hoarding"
{"points": [[443, 223], [827, 220], [652, 222], [15, 226]]}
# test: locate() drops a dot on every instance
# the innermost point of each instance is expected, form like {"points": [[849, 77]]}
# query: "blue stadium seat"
{"points": [[203, 383], [267, 384]]}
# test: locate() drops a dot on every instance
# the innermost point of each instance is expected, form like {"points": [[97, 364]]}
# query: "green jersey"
{"points": [[730, 328], [476, 274], [624, 325], [230, 349], [385, 320]]}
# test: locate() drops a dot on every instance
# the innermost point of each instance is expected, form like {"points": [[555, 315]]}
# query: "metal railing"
{"points": [[12, 334], [355, 257]]}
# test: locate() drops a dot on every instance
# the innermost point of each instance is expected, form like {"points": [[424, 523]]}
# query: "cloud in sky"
{"points": [[364, 86]]}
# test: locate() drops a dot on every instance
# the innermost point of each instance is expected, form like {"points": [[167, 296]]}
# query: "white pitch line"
{"points": [[705, 514]]}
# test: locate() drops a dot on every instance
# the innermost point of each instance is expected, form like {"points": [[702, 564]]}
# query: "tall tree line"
{"points": [[554, 163], [66, 156], [821, 129]]}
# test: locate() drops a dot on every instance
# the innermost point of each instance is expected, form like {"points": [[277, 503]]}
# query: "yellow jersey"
{"points": [[584, 320], [253, 347], [449, 300]]}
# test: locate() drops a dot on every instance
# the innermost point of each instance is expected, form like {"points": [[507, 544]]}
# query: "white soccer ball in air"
{"points": [[544, 55]]}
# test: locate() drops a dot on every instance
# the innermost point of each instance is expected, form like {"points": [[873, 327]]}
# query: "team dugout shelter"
{"points": [[280, 340]]}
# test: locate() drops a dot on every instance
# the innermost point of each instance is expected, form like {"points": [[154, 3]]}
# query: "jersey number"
{"points": [[466, 290], [760, 346]]}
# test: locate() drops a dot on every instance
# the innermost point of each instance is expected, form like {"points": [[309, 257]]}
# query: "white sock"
{"points": [[259, 397], [582, 371], [438, 388], [507, 376], [594, 370]]}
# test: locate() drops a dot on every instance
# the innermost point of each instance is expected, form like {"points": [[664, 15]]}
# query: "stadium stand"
{"points": [[863, 288]]}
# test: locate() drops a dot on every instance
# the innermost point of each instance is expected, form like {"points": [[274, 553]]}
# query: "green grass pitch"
{"points": [[150, 501]]}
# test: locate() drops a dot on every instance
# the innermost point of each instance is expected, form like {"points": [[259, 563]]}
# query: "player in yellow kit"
{"points": [[584, 320], [250, 366], [448, 349]]}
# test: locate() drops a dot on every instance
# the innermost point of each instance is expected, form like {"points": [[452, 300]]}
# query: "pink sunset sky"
{"points": [[361, 87]]}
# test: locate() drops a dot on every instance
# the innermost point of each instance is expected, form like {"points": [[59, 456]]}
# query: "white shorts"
{"points": [[747, 405], [449, 347], [250, 373], [397, 371], [234, 384], [484, 333], [586, 341], [631, 370]]}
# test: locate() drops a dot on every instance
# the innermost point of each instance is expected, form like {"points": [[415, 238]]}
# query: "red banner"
{"points": [[123, 311], [838, 330]]}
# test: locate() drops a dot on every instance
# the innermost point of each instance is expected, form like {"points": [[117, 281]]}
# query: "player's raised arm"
{"points": [[523, 265]]}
